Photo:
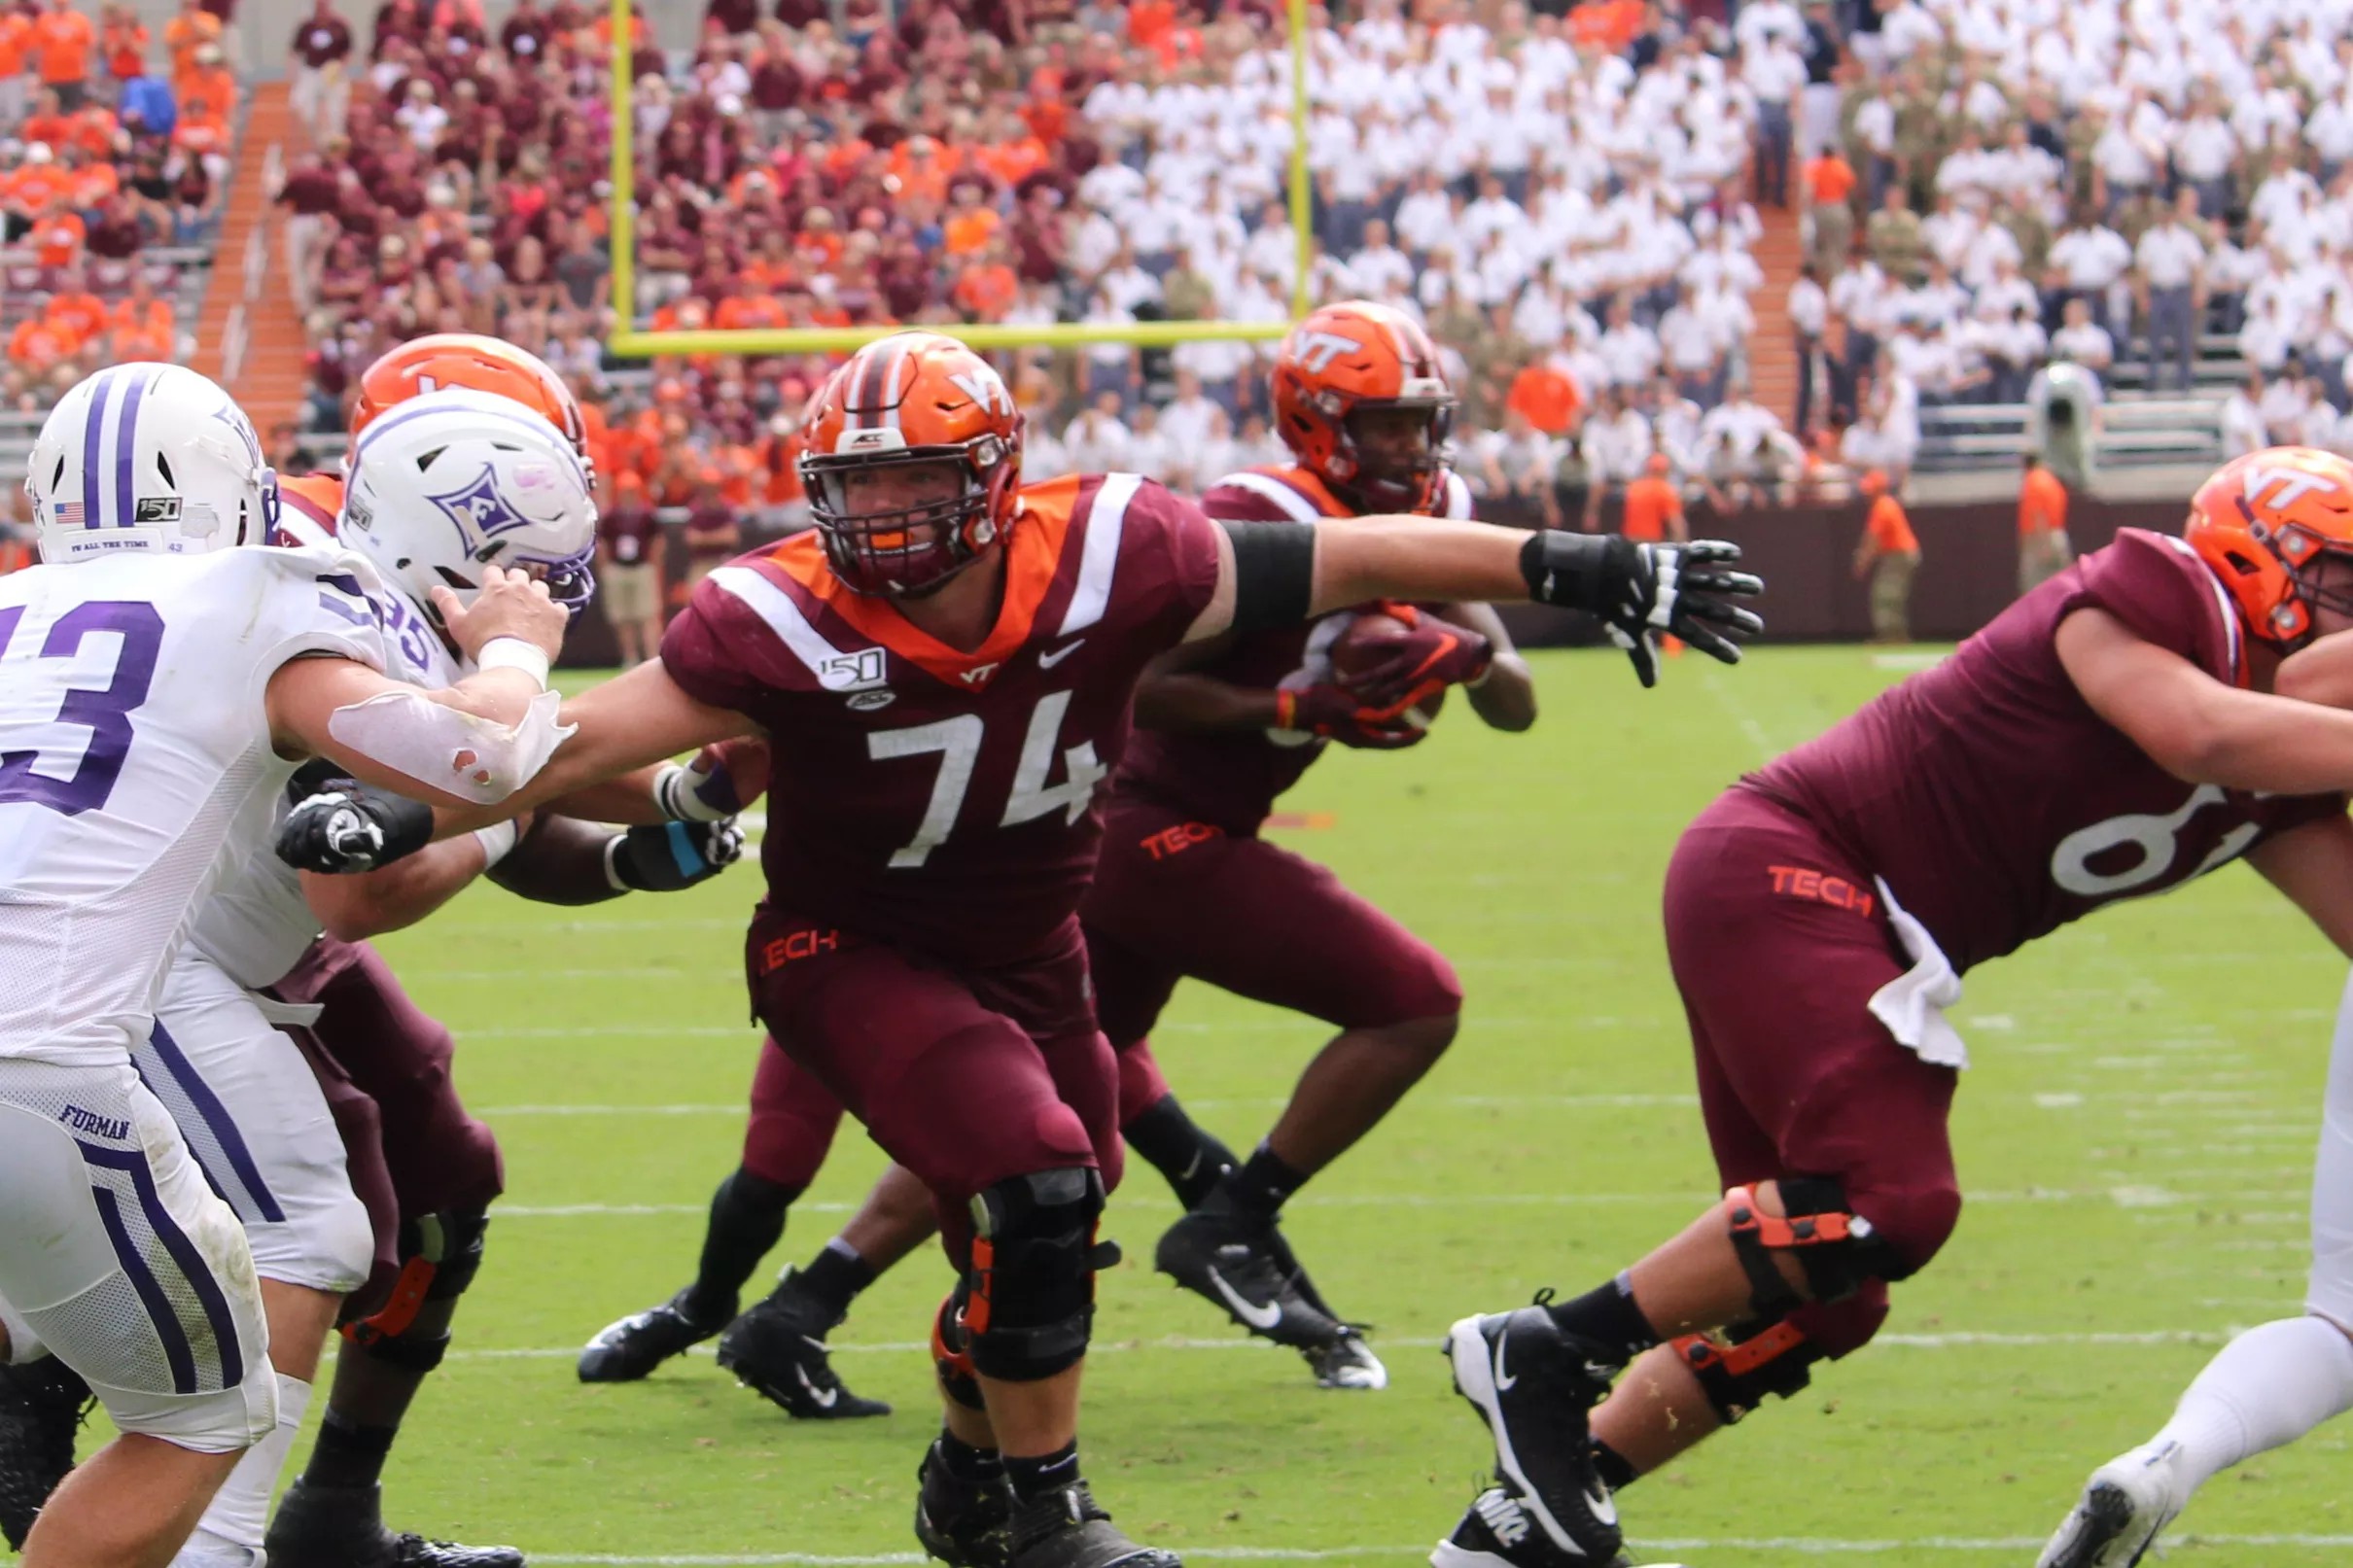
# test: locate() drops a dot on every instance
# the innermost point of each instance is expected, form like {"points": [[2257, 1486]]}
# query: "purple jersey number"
{"points": [[105, 713]]}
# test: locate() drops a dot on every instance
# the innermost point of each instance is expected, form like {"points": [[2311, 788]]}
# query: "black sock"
{"points": [[1608, 1318], [1190, 1159], [1259, 1186], [747, 1217], [1611, 1466], [834, 1277], [1043, 1473], [975, 1466], [348, 1455]]}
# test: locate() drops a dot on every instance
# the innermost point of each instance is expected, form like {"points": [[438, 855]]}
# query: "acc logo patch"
{"points": [[866, 701]]}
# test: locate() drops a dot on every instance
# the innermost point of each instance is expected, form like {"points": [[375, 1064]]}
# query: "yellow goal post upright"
{"points": [[630, 342]]}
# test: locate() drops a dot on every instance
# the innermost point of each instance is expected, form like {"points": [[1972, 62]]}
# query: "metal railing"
{"points": [[233, 344]]}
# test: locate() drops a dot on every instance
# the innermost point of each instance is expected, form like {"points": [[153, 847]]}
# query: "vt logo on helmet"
{"points": [[1362, 402], [2264, 523], [913, 458], [449, 483], [148, 456]]}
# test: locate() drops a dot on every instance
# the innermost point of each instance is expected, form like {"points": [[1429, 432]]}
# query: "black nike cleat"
{"points": [[1246, 1270], [1496, 1532], [344, 1527], [777, 1349], [43, 1404], [964, 1525], [623, 1352], [1065, 1529], [1535, 1385]]}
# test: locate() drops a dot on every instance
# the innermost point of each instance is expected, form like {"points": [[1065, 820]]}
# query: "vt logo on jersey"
{"points": [[478, 509]]}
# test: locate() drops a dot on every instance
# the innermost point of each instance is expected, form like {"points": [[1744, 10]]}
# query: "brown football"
{"points": [[1355, 652]]}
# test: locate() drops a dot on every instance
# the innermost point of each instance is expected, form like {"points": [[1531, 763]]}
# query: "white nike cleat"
{"points": [[2124, 1504]]}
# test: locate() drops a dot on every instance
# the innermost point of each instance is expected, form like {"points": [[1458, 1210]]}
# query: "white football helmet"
{"points": [[148, 456], [454, 481]]}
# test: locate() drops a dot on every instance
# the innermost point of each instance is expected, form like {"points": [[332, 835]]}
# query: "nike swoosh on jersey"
{"points": [[1258, 1317], [1047, 661]]}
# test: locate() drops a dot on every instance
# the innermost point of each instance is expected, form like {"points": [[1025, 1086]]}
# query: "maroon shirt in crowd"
{"points": [[321, 41]]}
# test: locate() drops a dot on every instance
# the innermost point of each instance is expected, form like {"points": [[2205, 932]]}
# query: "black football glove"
{"points": [[349, 828], [668, 856], [1641, 591]]}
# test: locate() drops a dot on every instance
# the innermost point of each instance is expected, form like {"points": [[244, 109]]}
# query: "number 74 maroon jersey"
{"points": [[1996, 805], [941, 800]]}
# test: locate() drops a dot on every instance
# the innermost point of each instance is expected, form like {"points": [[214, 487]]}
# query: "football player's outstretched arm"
{"points": [[2320, 672], [355, 908], [2196, 727], [470, 744], [1279, 573], [2313, 866]]}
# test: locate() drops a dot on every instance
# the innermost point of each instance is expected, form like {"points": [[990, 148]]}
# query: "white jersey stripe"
{"points": [[775, 607], [1458, 497], [1107, 522], [2222, 598], [1297, 506]]}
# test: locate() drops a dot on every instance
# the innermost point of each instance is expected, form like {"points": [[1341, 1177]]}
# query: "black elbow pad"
{"points": [[1274, 573]]}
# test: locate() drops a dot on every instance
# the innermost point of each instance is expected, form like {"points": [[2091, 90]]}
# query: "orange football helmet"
{"points": [[1335, 375], [2262, 522], [478, 364], [909, 399]]}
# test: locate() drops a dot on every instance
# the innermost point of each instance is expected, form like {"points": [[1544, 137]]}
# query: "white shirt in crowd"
{"points": [[2090, 257], [2088, 345], [2168, 255], [1096, 443]]}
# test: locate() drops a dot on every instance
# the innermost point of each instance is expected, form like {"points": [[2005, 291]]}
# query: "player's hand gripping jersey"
{"points": [[1996, 805], [942, 799]]}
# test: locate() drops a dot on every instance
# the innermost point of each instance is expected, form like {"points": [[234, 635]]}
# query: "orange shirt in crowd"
{"points": [[1545, 398], [210, 86], [96, 185], [200, 130], [32, 187], [16, 43], [969, 230], [2042, 503], [1608, 25], [1650, 501], [1047, 119], [779, 471], [747, 312], [125, 44], [79, 315], [1012, 161], [63, 40], [15, 556], [93, 131], [1890, 529], [641, 32], [1149, 22], [53, 129], [986, 290], [739, 467], [144, 334], [188, 32], [57, 238], [38, 345], [1829, 179]]}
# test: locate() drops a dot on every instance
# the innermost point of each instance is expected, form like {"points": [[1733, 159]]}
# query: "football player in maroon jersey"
{"points": [[1184, 886], [2123, 729], [944, 667]]}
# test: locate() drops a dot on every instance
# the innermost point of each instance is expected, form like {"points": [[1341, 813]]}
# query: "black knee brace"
{"points": [[441, 1253], [1838, 1249], [1751, 1362], [1033, 1278]]}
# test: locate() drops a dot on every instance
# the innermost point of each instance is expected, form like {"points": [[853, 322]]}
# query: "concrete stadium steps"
{"points": [[1773, 355], [270, 383]]}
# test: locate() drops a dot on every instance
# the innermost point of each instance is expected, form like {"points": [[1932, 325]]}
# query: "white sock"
{"points": [[2267, 1388], [230, 1535]]}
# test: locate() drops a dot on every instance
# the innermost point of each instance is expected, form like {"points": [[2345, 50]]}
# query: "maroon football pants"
{"points": [[383, 1065], [966, 1077], [1778, 942]]}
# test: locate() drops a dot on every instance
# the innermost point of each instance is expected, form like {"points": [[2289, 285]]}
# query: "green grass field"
{"points": [[2134, 1140]]}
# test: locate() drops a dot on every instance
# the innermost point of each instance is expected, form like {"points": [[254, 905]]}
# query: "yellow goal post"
{"points": [[630, 342]]}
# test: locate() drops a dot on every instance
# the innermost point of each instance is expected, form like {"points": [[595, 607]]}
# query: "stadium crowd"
{"points": [[109, 153]]}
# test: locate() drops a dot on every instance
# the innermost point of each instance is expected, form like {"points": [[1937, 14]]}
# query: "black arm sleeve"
{"points": [[559, 861], [1274, 573]]}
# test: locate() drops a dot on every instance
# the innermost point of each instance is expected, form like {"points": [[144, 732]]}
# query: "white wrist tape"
{"points": [[454, 752], [514, 653], [496, 840], [613, 875]]}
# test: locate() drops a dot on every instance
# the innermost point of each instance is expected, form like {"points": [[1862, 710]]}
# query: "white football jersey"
{"points": [[257, 926], [136, 766]]}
